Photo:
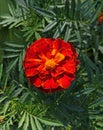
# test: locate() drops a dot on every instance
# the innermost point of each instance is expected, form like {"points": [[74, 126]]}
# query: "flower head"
{"points": [[100, 19], [50, 64]]}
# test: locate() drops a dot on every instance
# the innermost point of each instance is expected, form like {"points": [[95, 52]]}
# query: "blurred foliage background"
{"points": [[23, 107]]}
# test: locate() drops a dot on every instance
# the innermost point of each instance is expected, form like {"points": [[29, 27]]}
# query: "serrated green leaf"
{"points": [[96, 103], [24, 96], [100, 124], [4, 82], [22, 3], [37, 35], [84, 92], [6, 106], [89, 8], [10, 56], [11, 121], [50, 26], [11, 50], [28, 31], [44, 12], [11, 9], [33, 126], [20, 61], [50, 123], [78, 35], [11, 65], [6, 22], [85, 3], [20, 123], [101, 49], [67, 33], [17, 92], [10, 89], [59, 30], [2, 99], [96, 117], [29, 36], [15, 23], [90, 62], [95, 14], [38, 125], [7, 126], [15, 45], [5, 16], [89, 65], [26, 123]]}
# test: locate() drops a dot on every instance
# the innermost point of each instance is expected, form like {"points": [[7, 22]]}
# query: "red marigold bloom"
{"points": [[50, 64], [100, 19]]}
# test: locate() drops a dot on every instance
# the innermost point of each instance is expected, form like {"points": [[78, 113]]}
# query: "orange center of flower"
{"points": [[50, 64]]}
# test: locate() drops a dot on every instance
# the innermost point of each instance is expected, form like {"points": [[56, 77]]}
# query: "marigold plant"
{"points": [[40, 88], [51, 64]]}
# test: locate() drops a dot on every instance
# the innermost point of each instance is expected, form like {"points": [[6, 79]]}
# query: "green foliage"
{"points": [[21, 107], [80, 107]]}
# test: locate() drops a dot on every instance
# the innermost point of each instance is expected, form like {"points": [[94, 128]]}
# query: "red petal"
{"points": [[69, 66], [69, 51], [66, 52], [42, 45], [30, 72], [50, 84], [41, 69], [42, 72], [59, 70], [35, 81], [65, 81], [57, 44], [31, 52], [31, 62]]}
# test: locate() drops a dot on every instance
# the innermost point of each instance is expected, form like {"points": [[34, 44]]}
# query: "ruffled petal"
{"points": [[66, 52], [57, 44], [30, 72], [69, 67], [31, 52], [65, 81], [42, 72], [50, 84], [42, 46], [41, 69], [31, 62], [58, 71], [36, 81]]}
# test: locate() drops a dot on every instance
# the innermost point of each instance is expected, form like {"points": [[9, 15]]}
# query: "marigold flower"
{"points": [[100, 19], [50, 64]]}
